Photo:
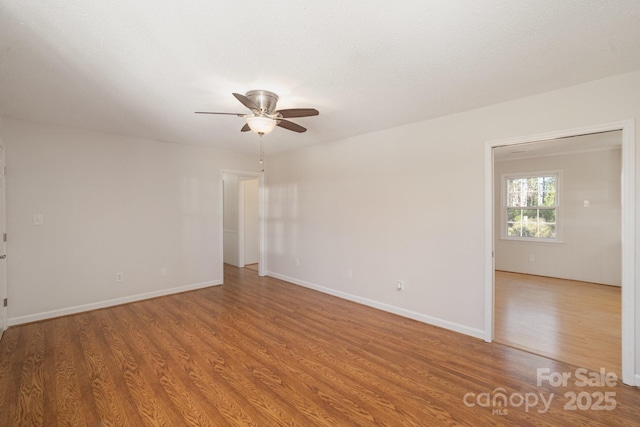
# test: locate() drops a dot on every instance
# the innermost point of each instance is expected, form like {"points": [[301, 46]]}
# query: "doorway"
{"points": [[249, 224], [627, 229], [558, 249], [243, 220]]}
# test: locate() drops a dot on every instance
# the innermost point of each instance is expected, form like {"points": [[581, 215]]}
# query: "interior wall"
{"points": [[111, 204], [251, 219], [591, 245], [352, 217]]}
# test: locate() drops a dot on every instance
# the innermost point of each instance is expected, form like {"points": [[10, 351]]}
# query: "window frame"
{"points": [[505, 177]]}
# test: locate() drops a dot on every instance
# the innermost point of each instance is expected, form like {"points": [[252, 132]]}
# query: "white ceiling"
{"points": [[142, 67]]}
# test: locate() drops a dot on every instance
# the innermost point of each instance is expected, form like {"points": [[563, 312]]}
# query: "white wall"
{"points": [[111, 204], [251, 213], [591, 245], [408, 203]]}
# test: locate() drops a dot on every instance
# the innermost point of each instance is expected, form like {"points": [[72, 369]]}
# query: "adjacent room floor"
{"points": [[566, 320], [253, 267]]}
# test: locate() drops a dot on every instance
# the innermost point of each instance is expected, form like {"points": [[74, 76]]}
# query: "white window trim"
{"points": [[503, 205]]}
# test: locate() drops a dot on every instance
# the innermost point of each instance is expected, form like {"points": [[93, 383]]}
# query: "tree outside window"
{"points": [[531, 207]]}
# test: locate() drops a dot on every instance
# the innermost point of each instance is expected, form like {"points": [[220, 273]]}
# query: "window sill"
{"points": [[526, 240]]}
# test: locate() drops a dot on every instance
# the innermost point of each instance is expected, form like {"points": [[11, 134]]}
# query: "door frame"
{"points": [[262, 263], [628, 232], [3, 229]]}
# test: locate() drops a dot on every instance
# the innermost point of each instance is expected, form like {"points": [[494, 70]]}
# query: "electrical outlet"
{"points": [[350, 274], [119, 277], [297, 262], [399, 285], [38, 219]]}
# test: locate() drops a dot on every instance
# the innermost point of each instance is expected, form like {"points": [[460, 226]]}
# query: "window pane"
{"points": [[547, 215], [517, 199], [513, 200], [533, 191], [533, 198], [514, 215], [517, 192], [530, 229], [530, 215], [515, 185], [548, 189], [514, 229], [548, 231]]}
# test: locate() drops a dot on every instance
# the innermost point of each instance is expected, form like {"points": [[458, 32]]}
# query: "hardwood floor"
{"points": [[253, 267], [571, 321], [262, 352]]}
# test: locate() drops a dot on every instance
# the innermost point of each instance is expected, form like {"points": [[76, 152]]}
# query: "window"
{"points": [[531, 207]]}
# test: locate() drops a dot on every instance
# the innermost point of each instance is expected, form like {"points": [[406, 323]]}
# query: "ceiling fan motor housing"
{"points": [[264, 99]]}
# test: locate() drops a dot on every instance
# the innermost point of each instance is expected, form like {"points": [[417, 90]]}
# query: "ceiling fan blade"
{"points": [[291, 126], [247, 102], [245, 128], [298, 112], [226, 114]]}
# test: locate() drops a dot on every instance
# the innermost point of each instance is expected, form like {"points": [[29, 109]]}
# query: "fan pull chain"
{"points": [[261, 153]]}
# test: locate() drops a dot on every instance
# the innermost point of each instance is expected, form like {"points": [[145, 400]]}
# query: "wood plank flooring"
{"points": [[262, 352], [253, 267], [575, 322]]}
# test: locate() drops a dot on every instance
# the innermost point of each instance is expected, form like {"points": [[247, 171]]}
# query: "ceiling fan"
{"points": [[264, 117]]}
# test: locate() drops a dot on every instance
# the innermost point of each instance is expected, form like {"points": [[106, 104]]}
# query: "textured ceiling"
{"points": [[142, 67]]}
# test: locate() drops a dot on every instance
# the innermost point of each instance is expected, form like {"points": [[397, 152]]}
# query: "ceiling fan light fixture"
{"points": [[264, 117], [261, 125]]}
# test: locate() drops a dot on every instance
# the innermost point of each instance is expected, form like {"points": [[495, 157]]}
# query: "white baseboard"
{"points": [[637, 380], [476, 333], [108, 303]]}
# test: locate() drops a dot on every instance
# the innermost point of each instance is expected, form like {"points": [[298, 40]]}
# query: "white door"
{"points": [[3, 247]]}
